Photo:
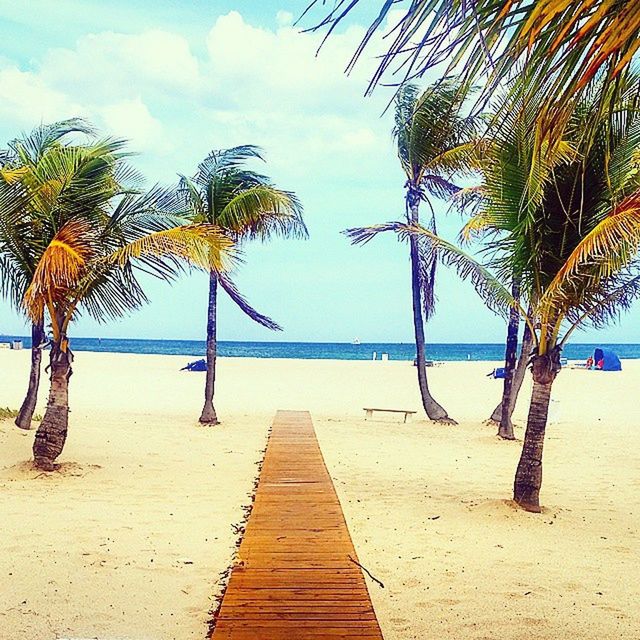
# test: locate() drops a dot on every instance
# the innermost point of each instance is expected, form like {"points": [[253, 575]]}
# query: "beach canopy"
{"points": [[610, 360]]}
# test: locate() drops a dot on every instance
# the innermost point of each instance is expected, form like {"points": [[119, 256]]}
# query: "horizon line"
{"points": [[360, 344]]}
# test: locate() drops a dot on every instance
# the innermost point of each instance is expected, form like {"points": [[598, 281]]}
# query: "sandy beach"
{"points": [[130, 537]]}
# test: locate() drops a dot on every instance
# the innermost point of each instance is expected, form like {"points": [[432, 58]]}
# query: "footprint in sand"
{"points": [[401, 623], [411, 582]]}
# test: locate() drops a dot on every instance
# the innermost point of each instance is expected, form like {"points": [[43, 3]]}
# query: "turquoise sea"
{"points": [[320, 350]]}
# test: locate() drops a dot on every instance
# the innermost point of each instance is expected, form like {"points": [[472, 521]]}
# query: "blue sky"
{"points": [[181, 78]]}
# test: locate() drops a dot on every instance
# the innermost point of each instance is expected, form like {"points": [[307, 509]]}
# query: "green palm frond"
{"points": [[107, 293], [30, 148], [226, 161], [13, 281], [607, 303], [494, 293], [194, 201], [432, 135], [602, 253], [262, 211]]}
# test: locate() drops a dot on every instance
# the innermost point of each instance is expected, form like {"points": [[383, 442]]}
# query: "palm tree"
{"points": [[513, 174], [245, 205], [514, 376], [575, 246], [434, 141], [17, 257], [505, 426], [92, 230]]}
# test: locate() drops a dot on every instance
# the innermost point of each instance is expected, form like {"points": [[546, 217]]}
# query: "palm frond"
{"points": [[13, 282], [603, 252], [32, 146], [262, 211], [477, 227], [608, 303], [427, 268], [228, 285], [564, 42], [495, 294], [201, 245], [61, 266], [226, 160], [107, 293], [440, 187]]}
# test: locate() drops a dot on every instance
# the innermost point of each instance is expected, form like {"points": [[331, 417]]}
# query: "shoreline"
{"points": [[438, 363]]}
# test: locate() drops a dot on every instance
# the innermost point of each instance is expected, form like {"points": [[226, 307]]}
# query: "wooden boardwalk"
{"points": [[294, 578]]}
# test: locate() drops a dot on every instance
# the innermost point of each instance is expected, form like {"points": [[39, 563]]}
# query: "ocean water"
{"points": [[320, 350]]}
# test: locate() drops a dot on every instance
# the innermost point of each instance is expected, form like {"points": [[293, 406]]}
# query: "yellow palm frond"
{"points": [[546, 12], [201, 245], [462, 158], [61, 266], [476, 226], [12, 176], [609, 27]]}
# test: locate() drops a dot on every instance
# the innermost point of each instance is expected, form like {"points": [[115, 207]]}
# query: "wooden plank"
{"points": [[295, 577], [390, 410]]}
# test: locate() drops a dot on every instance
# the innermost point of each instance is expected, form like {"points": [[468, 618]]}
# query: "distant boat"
{"points": [[355, 341]]}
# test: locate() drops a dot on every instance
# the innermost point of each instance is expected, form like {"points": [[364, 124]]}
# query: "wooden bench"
{"points": [[407, 413]]}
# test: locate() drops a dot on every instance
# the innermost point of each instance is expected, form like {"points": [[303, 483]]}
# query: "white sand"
{"points": [[128, 540]]}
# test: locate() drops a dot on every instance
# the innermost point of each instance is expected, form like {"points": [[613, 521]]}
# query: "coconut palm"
{"points": [[514, 174], [245, 205], [575, 247], [17, 257], [434, 141], [515, 372], [92, 230]]}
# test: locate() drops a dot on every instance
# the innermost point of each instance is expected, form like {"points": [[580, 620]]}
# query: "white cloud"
{"points": [[284, 18], [26, 99], [107, 66], [131, 119], [280, 68], [252, 85]]}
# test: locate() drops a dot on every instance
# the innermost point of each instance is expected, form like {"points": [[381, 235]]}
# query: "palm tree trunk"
{"points": [[52, 432], [434, 410], [528, 480], [505, 428], [208, 415], [23, 420], [518, 376]]}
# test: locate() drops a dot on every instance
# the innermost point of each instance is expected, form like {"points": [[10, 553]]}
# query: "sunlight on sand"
{"points": [[129, 537]]}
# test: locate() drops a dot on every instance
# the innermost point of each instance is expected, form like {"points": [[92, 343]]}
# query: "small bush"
{"points": [[6, 413]]}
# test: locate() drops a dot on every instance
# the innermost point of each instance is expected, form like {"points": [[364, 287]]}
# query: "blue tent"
{"points": [[610, 360], [197, 365]]}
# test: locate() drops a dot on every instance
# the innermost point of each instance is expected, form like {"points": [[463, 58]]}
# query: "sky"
{"points": [[179, 79]]}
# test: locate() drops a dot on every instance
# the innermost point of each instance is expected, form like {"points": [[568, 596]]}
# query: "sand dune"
{"points": [[129, 538]]}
